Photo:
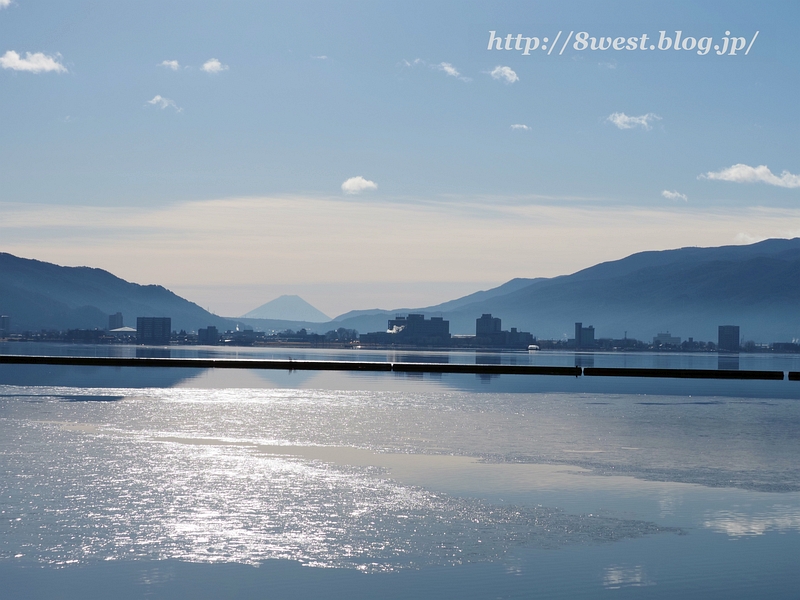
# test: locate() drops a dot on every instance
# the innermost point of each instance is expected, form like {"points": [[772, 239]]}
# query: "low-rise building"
{"points": [[666, 339], [412, 330]]}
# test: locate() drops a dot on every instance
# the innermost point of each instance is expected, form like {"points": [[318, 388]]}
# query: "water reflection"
{"points": [[148, 352], [85, 376], [493, 358], [728, 362], [782, 519], [420, 358], [618, 577], [133, 495], [671, 360]]}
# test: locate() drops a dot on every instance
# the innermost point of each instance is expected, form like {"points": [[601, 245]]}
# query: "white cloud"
{"points": [[504, 73], [673, 195], [213, 65], [320, 57], [746, 174], [356, 185], [163, 103], [170, 64], [623, 121], [520, 126], [5, 3], [33, 63], [445, 67], [448, 69]]}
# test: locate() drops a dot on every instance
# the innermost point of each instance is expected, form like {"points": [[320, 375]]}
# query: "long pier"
{"points": [[396, 367]]}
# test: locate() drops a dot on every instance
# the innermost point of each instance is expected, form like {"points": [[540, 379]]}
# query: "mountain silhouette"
{"points": [[39, 295], [688, 291], [288, 308]]}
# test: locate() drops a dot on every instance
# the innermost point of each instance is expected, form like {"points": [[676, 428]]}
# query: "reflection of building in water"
{"points": [[584, 336], [153, 330], [115, 321], [665, 339], [728, 362], [728, 340], [5, 325]]}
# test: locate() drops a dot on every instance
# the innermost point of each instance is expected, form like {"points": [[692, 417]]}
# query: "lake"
{"points": [[194, 483]]}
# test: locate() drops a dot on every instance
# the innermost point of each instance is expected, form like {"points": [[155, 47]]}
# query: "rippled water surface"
{"points": [[188, 483]]}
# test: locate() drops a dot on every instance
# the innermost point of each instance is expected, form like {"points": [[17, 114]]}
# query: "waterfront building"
{"points": [[5, 325], [487, 326], [728, 339], [154, 331], [489, 332], [413, 330], [208, 336], [665, 339], [584, 336], [115, 321]]}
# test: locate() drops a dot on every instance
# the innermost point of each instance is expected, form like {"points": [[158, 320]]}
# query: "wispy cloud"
{"points": [[33, 63], [623, 121], [213, 65], [5, 3], [505, 74], [356, 185], [520, 126], [673, 195], [412, 63], [445, 67], [163, 103], [320, 57], [761, 174], [450, 70], [170, 64]]}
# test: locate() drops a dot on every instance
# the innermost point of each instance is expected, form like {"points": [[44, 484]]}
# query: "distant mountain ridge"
{"points": [[686, 291], [288, 308], [39, 295]]}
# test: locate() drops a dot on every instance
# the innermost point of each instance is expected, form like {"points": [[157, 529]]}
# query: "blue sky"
{"points": [[205, 145]]}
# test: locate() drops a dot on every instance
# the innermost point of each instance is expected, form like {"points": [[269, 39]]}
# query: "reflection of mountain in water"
{"points": [[286, 379], [102, 377]]}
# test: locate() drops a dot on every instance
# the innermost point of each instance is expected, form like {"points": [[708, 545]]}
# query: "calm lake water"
{"points": [[182, 483]]}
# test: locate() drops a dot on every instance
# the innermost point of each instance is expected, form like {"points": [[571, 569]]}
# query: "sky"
{"points": [[385, 154]]}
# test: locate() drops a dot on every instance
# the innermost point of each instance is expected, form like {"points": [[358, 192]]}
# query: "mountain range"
{"points": [[687, 291]]}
